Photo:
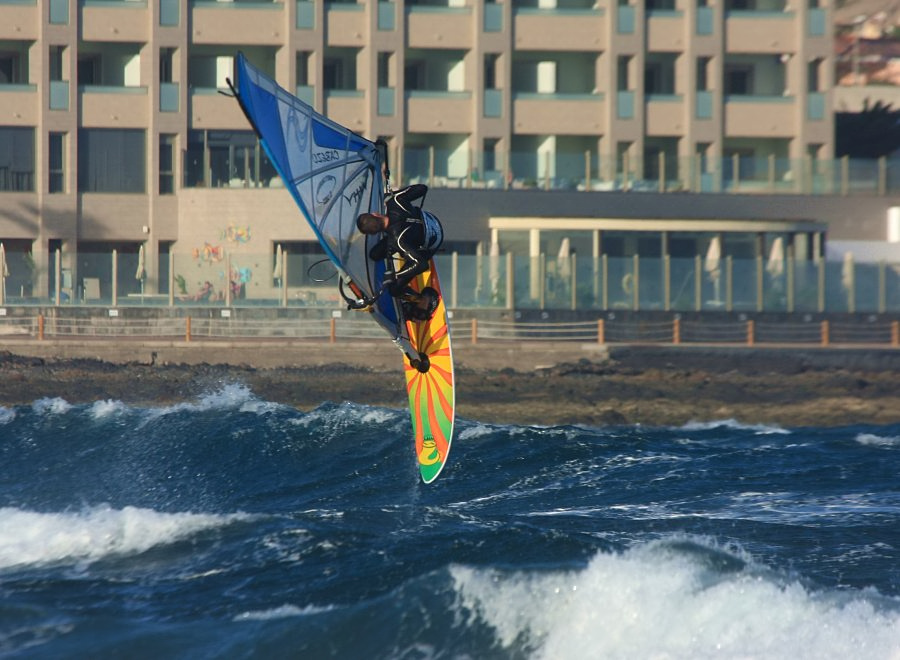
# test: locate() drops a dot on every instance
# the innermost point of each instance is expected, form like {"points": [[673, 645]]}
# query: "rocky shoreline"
{"points": [[648, 387]]}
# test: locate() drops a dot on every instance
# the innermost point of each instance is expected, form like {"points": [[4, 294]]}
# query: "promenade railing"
{"points": [[350, 327]]}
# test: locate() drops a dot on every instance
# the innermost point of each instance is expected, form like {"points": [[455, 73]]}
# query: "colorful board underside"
{"points": [[431, 394]]}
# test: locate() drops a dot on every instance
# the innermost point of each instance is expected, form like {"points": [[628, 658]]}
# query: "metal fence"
{"points": [[470, 282], [675, 330]]}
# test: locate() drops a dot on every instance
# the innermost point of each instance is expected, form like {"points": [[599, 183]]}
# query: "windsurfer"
{"points": [[411, 232]]}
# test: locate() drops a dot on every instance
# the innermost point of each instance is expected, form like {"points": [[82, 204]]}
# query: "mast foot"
{"points": [[422, 364]]}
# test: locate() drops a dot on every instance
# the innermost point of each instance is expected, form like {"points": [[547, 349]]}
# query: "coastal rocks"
{"points": [[633, 389]]}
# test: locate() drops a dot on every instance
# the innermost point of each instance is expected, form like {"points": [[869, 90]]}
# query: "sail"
{"points": [[332, 173]]}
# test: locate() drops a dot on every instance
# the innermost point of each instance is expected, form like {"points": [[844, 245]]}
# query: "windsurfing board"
{"points": [[432, 393]]}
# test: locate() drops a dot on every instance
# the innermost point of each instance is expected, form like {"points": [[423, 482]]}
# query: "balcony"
{"points": [[430, 27], [211, 110], [760, 32], [559, 114], [666, 31], [439, 112], [218, 22], [346, 24], [20, 104], [560, 29], [20, 22], [347, 107], [115, 21], [665, 114], [760, 116], [113, 106]]}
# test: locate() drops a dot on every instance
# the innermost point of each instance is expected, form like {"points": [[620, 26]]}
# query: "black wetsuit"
{"points": [[406, 236]]}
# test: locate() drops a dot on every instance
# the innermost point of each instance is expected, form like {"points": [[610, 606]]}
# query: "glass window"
{"points": [[57, 54], [111, 160], [57, 163], [16, 158], [226, 159], [166, 64], [166, 164]]}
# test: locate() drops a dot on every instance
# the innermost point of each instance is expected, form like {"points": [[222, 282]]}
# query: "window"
{"points": [[56, 62], [414, 75], [623, 64], [57, 163], [166, 65], [738, 80], [813, 73], [226, 159], [384, 69], [166, 164], [703, 73], [490, 70], [333, 74], [89, 70], [111, 160], [16, 158], [339, 69], [12, 70], [659, 73], [303, 61]]}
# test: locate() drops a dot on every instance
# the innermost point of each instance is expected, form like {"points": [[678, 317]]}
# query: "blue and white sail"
{"points": [[332, 173]]}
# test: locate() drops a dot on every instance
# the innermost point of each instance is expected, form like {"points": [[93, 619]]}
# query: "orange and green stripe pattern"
{"points": [[431, 394]]}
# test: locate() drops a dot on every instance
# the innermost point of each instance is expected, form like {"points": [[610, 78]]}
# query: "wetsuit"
{"points": [[412, 233]]}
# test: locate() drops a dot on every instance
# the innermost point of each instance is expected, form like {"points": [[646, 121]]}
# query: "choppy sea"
{"points": [[233, 527]]}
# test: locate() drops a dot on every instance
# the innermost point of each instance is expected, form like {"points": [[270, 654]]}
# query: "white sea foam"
{"points": [[475, 432], [348, 413], [51, 406], [7, 415], [280, 612], [651, 602], [231, 396], [759, 429], [107, 408], [877, 440], [29, 537]]}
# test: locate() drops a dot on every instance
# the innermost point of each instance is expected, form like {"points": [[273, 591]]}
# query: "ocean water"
{"points": [[232, 527]]}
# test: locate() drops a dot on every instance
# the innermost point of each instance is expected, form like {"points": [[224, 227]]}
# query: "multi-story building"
{"points": [[114, 133]]}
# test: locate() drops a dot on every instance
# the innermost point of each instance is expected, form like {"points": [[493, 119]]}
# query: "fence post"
{"points": [[895, 333], [636, 289], [676, 331], [604, 274], [332, 331], [698, 283], [825, 333], [510, 281], [2, 276], [474, 331], [284, 275], [187, 328], [454, 279], [667, 282], [115, 278], [601, 332], [41, 327], [751, 339]]}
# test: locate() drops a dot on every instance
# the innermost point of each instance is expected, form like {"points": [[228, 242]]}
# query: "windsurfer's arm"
{"points": [[400, 204]]}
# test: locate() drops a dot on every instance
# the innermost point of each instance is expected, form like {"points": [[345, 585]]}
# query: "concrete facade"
{"points": [[531, 87]]}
